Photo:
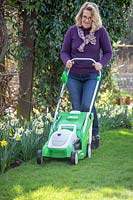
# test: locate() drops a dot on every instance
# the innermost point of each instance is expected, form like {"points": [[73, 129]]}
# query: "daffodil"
{"points": [[20, 130], [35, 111], [10, 135], [3, 143], [18, 138], [49, 117], [27, 132]]}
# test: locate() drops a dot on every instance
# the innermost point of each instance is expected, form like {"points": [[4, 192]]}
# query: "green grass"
{"points": [[108, 175]]}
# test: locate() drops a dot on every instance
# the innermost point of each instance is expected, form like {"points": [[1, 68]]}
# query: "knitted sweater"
{"points": [[100, 52]]}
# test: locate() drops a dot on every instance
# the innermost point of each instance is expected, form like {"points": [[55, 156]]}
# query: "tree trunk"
{"points": [[26, 73], [2, 54]]}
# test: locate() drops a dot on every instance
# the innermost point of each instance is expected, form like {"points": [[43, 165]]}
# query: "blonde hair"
{"points": [[97, 21]]}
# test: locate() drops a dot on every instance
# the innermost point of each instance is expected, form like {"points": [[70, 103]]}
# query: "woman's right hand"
{"points": [[69, 64]]}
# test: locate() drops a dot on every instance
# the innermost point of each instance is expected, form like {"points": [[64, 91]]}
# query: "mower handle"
{"points": [[84, 59], [78, 59]]}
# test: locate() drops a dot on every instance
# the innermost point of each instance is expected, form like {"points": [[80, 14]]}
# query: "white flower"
{"points": [[49, 117], [20, 130], [14, 121], [39, 131], [17, 135], [27, 132]]}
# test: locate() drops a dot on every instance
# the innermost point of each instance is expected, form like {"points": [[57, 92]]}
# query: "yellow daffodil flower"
{"points": [[18, 138], [10, 134], [35, 111], [3, 143]]}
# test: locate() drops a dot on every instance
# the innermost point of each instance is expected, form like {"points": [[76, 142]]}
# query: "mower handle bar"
{"points": [[84, 59]]}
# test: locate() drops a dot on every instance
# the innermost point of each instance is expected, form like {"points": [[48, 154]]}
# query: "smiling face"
{"points": [[86, 19]]}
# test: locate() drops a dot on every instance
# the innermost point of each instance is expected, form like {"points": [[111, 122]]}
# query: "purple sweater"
{"points": [[101, 51]]}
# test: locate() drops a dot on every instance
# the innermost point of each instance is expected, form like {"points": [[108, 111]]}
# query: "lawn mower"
{"points": [[71, 132]]}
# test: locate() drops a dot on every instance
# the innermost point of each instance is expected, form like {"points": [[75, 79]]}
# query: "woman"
{"points": [[87, 39]]}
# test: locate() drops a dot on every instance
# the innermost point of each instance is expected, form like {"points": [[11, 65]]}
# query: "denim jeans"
{"points": [[81, 89]]}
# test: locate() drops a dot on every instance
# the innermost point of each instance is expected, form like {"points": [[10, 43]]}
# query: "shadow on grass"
{"points": [[107, 174]]}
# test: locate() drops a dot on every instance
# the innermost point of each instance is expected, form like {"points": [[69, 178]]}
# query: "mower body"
{"points": [[68, 135]]}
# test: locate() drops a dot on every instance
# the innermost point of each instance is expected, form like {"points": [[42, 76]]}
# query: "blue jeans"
{"points": [[81, 89]]}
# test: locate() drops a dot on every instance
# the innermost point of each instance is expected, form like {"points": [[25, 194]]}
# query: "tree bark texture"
{"points": [[2, 68], [26, 73]]}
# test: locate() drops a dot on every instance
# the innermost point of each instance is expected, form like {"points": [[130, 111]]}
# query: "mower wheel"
{"points": [[74, 158], [88, 151], [39, 157]]}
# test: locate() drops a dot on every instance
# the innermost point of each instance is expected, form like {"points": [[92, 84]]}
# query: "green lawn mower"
{"points": [[71, 132]]}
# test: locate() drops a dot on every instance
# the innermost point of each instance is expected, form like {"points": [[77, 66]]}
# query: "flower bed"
{"points": [[19, 139]]}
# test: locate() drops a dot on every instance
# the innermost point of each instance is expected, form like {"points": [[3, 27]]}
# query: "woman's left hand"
{"points": [[97, 65]]}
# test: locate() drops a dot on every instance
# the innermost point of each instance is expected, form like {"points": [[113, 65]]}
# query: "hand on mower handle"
{"points": [[69, 64], [98, 66]]}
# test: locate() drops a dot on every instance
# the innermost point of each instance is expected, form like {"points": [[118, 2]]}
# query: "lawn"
{"points": [[108, 175]]}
